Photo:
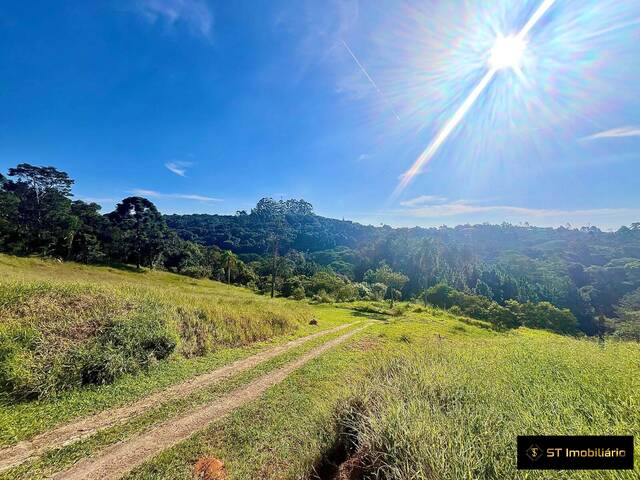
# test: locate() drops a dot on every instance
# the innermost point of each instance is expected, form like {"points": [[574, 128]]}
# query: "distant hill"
{"points": [[586, 270], [246, 233]]}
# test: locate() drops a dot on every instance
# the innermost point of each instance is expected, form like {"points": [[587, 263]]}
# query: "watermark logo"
{"points": [[534, 452], [575, 452]]}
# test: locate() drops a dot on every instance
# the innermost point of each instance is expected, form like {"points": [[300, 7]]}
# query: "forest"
{"points": [[571, 280]]}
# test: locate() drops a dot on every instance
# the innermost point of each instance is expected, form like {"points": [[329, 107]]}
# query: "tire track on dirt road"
{"points": [[120, 458], [69, 433]]}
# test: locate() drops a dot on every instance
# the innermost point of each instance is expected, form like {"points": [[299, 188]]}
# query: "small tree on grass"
{"points": [[439, 295], [229, 260], [393, 281]]}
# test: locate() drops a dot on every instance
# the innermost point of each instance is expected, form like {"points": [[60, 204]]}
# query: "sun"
{"points": [[507, 52]]}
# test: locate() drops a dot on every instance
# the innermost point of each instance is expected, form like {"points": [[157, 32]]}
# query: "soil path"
{"points": [[71, 432], [120, 458]]}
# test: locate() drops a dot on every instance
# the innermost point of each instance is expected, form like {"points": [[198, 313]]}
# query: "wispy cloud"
{"points": [[179, 168], [363, 156], [177, 196], [194, 14], [628, 131], [96, 199], [422, 208], [422, 200]]}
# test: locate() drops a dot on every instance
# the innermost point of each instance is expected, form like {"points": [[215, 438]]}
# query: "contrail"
{"points": [[366, 74], [457, 117]]}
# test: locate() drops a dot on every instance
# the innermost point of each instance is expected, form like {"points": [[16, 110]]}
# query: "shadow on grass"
{"points": [[373, 316]]}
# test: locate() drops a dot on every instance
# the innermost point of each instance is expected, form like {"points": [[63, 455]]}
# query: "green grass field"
{"points": [[419, 394], [67, 325]]}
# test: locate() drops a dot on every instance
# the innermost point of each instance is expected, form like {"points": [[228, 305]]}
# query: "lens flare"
{"points": [[506, 52]]}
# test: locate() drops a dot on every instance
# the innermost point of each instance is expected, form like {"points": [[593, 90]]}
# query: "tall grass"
{"points": [[453, 410], [62, 333]]}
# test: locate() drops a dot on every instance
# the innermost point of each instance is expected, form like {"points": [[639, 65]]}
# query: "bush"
{"points": [[197, 271], [541, 315], [322, 297], [627, 331], [34, 363], [19, 373], [298, 293], [347, 293], [59, 336]]}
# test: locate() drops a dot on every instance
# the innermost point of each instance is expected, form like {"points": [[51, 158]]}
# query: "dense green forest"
{"points": [[510, 275]]}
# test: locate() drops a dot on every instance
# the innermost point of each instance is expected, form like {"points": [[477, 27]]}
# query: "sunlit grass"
{"points": [[453, 409], [67, 325], [422, 393]]}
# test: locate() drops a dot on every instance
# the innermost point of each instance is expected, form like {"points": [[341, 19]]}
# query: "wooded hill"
{"points": [[585, 270], [284, 248]]}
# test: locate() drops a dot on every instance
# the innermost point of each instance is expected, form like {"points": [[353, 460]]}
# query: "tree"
{"points": [[394, 281], [142, 230], [483, 289], [545, 315], [42, 180], [229, 260], [627, 325], [44, 211], [87, 235], [272, 215], [9, 238], [378, 290], [439, 295]]}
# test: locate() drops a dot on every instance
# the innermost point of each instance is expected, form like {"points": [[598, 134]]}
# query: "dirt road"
{"points": [[72, 432], [117, 460]]}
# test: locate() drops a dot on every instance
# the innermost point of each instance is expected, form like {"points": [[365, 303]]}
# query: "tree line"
{"points": [[38, 216], [590, 272], [283, 248]]}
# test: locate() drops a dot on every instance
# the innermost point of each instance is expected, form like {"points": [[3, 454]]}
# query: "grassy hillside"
{"points": [[453, 409], [419, 394], [423, 396], [67, 324]]}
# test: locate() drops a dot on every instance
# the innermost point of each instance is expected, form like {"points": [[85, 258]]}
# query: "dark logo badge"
{"points": [[534, 452], [575, 452]]}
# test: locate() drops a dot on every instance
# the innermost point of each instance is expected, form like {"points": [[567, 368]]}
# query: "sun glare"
{"points": [[507, 52]]}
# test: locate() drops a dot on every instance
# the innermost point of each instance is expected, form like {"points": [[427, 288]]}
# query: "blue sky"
{"points": [[207, 106]]}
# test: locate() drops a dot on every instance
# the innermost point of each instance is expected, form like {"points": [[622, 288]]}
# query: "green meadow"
{"points": [[418, 394], [67, 325]]}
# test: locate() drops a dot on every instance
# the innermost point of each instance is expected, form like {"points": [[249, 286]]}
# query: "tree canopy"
{"points": [[282, 247]]}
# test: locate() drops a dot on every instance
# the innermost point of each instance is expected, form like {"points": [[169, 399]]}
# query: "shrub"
{"points": [[59, 336], [541, 315], [19, 373], [298, 293], [347, 293], [323, 297]]}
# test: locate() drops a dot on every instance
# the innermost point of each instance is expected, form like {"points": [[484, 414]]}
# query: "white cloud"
{"points": [[461, 207], [423, 199], [363, 156], [179, 168], [194, 14], [177, 196], [98, 200], [628, 131]]}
